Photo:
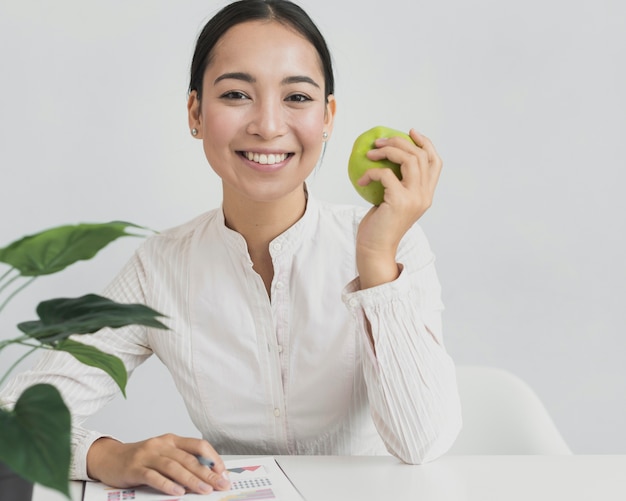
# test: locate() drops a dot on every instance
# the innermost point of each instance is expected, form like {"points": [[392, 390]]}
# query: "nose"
{"points": [[268, 119]]}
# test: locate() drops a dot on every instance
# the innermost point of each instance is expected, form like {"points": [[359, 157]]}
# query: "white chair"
{"points": [[503, 415]]}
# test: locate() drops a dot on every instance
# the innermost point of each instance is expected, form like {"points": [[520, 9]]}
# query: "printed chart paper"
{"points": [[252, 479]]}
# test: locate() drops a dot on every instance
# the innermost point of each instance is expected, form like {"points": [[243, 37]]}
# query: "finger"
{"points": [[433, 157], [413, 164], [418, 140], [401, 142], [219, 481], [398, 153], [152, 478], [210, 467], [383, 175], [383, 145], [425, 171], [201, 448], [425, 144], [176, 468]]}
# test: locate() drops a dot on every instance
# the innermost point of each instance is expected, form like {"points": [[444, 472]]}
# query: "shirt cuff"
{"points": [[356, 298], [81, 442], [360, 300]]}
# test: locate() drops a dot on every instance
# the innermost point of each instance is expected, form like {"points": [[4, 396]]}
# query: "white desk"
{"points": [[451, 478]]}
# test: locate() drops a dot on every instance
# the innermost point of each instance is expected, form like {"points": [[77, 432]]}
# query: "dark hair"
{"points": [[282, 11]]}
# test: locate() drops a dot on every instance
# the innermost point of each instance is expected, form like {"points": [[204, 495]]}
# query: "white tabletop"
{"points": [[451, 478], [460, 478]]}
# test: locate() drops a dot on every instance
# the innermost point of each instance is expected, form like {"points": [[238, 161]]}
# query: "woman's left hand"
{"points": [[404, 203]]}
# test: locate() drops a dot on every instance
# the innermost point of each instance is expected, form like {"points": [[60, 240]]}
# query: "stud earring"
{"points": [[194, 132], [325, 135]]}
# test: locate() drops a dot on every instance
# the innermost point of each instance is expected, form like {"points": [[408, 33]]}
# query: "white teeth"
{"points": [[263, 159]]}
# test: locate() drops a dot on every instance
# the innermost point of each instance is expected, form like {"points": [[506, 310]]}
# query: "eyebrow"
{"points": [[246, 77], [299, 79]]}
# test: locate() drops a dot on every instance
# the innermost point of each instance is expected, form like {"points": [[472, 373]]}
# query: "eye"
{"points": [[298, 98], [234, 95]]}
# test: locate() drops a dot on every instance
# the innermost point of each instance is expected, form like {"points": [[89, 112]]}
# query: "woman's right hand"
{"points": [[168, 463]]}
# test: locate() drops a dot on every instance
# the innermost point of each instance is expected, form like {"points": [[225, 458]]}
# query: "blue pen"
{"points": [[206, 461]]}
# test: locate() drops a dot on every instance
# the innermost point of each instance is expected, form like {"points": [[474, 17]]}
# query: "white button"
{"points": [[353, 302], [277, 246], [279, 285], [277, 412], [280, 349]]}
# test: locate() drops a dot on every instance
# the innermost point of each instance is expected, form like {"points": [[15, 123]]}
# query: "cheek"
{"points": [[311, 127], [217, 121], [217, 131]]}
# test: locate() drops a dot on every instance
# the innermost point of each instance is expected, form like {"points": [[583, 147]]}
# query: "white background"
{"points": [[525, 101]]}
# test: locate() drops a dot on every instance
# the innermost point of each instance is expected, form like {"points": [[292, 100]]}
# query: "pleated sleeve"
{"points": [[410, 378]]}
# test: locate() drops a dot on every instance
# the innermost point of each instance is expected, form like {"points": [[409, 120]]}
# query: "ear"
{"points": [[193, 113], [329, 115]]}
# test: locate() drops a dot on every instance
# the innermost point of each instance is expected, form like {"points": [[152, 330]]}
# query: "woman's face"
{"points": [[263, 110]]}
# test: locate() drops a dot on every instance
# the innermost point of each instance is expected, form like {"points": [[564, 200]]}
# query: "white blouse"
{"points": [[294, 375]]}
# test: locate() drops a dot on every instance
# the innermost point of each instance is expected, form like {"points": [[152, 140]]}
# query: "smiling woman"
{"points": [[297, 326], [262, 94]]}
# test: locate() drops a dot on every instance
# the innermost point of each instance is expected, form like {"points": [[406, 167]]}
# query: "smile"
{"points": [[265, 158]]}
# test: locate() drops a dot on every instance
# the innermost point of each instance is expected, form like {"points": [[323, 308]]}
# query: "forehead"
{"points": [[265, 43]]}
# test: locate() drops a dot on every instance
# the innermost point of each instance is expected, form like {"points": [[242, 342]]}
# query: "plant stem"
{"points": [[6, 343], [15, 364], [17, 340], [7, 273], [12, 295], [10, 281]]}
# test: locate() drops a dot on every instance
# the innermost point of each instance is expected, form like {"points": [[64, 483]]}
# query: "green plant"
{"points": [[35, 434]]}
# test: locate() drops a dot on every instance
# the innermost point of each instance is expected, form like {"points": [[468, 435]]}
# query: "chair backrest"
{"points": [[503, 415]]}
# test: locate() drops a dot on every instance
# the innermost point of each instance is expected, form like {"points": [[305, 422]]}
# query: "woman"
{"points": [[297, 327]]}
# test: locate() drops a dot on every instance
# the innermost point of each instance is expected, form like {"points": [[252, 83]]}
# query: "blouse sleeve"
{"points": [[86, 389], [410, 378]]}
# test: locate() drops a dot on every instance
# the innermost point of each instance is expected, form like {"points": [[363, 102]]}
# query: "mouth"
{"points": [[265, 158]]}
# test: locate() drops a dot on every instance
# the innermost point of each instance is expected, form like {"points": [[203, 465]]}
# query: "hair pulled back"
{"points": [[282, 11]]}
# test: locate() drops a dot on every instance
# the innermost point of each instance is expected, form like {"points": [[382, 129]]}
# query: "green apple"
{"points": [[358, 163]]}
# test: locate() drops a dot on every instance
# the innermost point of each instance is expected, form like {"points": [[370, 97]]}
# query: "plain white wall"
{"points": [[524, 100]]}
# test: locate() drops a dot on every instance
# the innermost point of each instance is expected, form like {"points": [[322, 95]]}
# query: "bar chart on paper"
{"points": [[251, 479]]}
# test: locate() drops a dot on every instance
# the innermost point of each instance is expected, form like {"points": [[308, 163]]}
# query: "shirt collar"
{"points": [[288, 241]]}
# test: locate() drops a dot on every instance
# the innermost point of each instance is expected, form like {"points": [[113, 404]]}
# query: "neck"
{"points": [[260, 222]]}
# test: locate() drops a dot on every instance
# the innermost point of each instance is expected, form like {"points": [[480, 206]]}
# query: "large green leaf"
{"points": [[54, 249], [35, 437], [92, 356], [61, 317]]}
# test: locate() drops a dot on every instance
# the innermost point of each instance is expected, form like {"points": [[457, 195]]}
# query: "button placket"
{"points": [[280, 309]]}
